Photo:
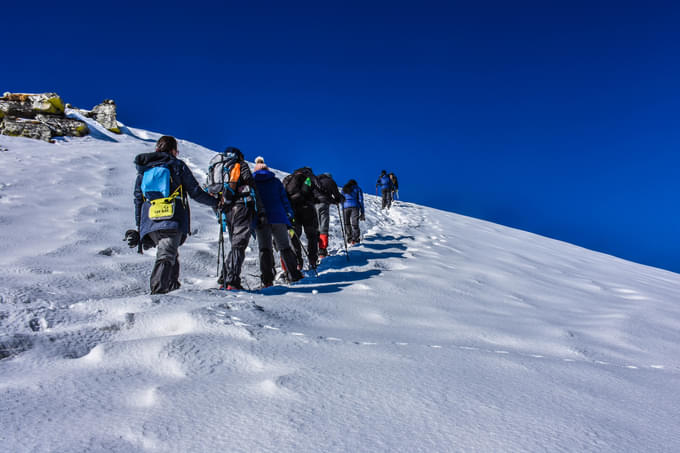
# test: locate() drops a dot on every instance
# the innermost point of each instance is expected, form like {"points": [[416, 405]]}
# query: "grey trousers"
{"points": [[279, 231], [386, 198], [352, 224], [165, 274], [323, 211]]}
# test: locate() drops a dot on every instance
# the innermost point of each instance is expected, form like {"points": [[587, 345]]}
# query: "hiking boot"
{"points": [[234, 287]]}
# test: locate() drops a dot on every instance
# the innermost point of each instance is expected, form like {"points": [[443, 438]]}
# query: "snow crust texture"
{"points": [[441, 333]]}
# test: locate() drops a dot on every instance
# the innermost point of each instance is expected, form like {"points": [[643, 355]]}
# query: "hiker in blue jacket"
{"points": [[384, 186], [353, 211], [278, 220], [167, 234]]}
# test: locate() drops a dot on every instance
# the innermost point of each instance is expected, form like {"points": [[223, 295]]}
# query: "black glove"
{"points": [[132, 238], [362, 217], [147, 243]]}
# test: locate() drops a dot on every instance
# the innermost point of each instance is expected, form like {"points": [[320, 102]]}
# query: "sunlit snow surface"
{"points": [[442, 332]]}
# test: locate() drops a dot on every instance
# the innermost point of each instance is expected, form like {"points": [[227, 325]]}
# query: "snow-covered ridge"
{"points": [[442, 332]]}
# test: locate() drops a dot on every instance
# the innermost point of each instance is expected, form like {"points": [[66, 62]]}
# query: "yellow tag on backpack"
{"points": [[164, 208]]}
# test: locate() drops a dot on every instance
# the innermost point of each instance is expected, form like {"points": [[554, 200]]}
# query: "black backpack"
{"points": [[302, 186], [298, 188]]}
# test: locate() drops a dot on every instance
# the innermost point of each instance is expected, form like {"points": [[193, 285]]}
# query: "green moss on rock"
{"points": [[82, 130], [56, 105]]}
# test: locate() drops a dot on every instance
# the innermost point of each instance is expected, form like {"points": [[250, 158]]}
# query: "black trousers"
{"points": [[239, 219], [306, 218]]}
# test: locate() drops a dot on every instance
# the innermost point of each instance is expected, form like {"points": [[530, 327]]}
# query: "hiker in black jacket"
{"points": [[395, 186], [302, 188], [328, 194], [167, 234]]}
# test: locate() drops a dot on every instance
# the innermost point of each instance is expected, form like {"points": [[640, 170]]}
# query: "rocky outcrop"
{"points": [[40, 116], [29, 105], [105, 114], [43, 127], [64, 126], [21, 127]]}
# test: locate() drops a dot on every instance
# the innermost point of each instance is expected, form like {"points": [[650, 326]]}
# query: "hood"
{"points": [[147, 160], [263, 175], [349, 187]]}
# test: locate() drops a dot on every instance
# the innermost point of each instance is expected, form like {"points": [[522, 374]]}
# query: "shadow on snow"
{"points": [[334, 278]]}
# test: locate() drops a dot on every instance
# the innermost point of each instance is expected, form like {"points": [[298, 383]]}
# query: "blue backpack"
{"points": [[156, 183], [156, 189]]}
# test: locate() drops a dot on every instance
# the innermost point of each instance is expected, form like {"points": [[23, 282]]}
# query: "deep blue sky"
{"points": [[557, 118]]}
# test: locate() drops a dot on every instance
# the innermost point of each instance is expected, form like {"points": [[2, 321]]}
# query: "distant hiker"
{"points": [[162, 209], [328, 194], [353, 208], [278, 221], [384, 187], [395, 186], [302, 188], [229, 177]]}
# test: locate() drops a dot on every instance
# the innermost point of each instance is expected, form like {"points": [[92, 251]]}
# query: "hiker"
{"points": [[229, 176], [395, 186], [278, 221], [328, 194], [162, 210], [384, 187], [353, 211], [302, 188]]}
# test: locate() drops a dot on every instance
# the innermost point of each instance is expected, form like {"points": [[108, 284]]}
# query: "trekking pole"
{"points": [[342, 228], [220, 244], [305, 252], [139, 246]]}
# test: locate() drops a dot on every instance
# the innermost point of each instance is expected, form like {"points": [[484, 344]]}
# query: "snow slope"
{"points": [[442, 332]]}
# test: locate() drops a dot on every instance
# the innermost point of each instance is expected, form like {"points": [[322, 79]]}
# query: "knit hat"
{"points": [[259, 163]]}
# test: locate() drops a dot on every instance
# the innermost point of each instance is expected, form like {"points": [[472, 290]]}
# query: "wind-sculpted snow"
{"points": [[441, 333]]}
